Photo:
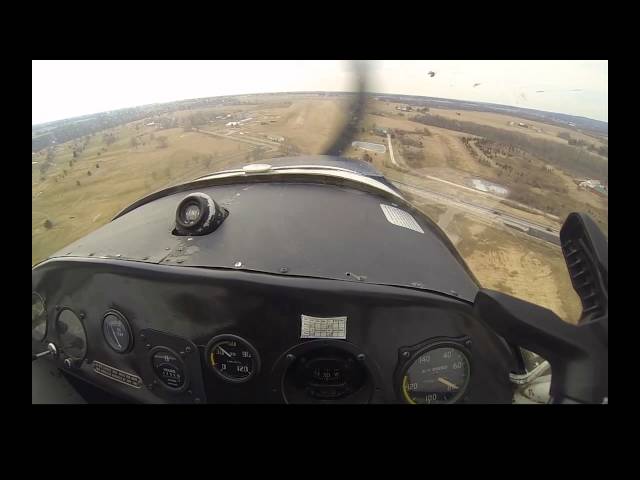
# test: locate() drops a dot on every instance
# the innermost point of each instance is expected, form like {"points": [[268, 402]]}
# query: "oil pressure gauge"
{"points": [[232, 358]]}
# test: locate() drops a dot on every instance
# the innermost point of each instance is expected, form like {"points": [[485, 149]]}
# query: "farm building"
{"points": [[594, 185], [276, 138], [379, 131]]}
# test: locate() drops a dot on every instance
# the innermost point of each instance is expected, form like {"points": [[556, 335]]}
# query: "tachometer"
{"points": [[438, 374], [232, 358]]}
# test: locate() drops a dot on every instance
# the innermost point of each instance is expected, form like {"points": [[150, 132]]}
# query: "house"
{"points": [[594, 185], [276, 138], [601, 190], [590, 183], [232, 124]]}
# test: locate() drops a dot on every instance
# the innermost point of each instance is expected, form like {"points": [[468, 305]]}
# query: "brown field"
{"points": [[507, 260], [446, 157], [501, 258], [127, 173], [498, 120]]}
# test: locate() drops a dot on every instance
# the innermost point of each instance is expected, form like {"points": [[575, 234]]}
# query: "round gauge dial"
{"points": [[73, 338], [38, 318], [232, 358], [117, 332], [439, 374], [169, 368]]}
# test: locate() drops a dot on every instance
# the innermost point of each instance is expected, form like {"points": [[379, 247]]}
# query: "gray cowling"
{"points": [[198, 214]]}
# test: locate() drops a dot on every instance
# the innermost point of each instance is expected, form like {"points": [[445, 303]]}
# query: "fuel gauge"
{"points": [[117, 332]]}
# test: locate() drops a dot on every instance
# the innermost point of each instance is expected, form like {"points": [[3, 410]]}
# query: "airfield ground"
{"points": [[103, 179]]}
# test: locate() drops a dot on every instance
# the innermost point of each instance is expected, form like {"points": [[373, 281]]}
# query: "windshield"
{"points": [[497, 153]]}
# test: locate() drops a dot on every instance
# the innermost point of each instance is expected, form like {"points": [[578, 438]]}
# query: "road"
{"points": [[393, 159], [491, 195], [526, 226], [250, 140]]}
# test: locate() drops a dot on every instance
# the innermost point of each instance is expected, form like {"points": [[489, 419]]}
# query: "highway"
{"points": [[500, 217], [491, 195]]}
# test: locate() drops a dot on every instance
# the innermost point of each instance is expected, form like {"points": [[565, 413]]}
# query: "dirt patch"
{"points": [[519, 265]]}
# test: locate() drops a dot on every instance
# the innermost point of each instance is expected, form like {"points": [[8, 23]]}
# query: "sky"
{"points": [[69, 88]]}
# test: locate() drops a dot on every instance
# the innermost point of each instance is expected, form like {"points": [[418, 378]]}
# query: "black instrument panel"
{"points": [[163, 334]]}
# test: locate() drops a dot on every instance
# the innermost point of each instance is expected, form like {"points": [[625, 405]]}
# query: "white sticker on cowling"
{"points": [[401, 218], [331, 327]]}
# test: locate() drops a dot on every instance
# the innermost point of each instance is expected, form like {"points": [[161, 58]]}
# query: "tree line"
{"points": [[602, 149], [563, 156]]}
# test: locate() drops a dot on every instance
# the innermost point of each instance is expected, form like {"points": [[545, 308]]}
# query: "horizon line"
{"points": [[311, 91]]}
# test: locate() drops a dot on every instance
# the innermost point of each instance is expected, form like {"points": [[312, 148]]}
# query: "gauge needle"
{"points": [[225, 352], [446, 382], [115, 336]]}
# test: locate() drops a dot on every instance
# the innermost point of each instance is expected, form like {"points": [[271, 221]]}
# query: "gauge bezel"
{"points": [[189, 200], [59, 336], [228, 336], [158, 380], [370, 393], [46, 319], [127, 325], [421, 349]]}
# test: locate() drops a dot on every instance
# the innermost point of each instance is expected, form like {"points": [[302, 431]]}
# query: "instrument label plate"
{"points": [[118, 375], [330, 327]]}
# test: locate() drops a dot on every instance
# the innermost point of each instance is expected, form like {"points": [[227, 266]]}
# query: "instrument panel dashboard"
{"points": [[167, 334]]}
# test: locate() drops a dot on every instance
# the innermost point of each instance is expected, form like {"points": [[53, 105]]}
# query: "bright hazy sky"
{"points": [[64, 89]]}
